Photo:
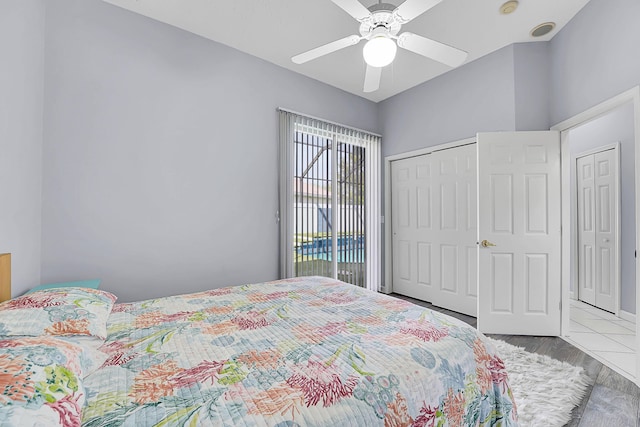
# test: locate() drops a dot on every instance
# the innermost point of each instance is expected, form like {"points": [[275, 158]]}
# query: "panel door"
{"points": [[606, 180], [585, 186], [519, 213], [454, 255], [412, 227], [598, 256]]}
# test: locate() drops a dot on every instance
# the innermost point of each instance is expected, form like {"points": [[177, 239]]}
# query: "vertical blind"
{"points": [[329, 201]]}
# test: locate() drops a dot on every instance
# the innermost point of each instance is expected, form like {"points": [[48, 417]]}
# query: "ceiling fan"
{"points": [[380, 24]]}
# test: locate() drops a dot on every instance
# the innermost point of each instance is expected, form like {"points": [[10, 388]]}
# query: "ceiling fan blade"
{"points": [[353, 8], [440, 52], [372, 78], [411, 9], [326, 49]]}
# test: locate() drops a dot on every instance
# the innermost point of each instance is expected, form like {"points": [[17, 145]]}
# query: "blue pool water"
{"points": [[343, 256], [349, 249]]}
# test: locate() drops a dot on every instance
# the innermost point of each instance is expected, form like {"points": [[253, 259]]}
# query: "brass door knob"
{"points": [[486, 244]]}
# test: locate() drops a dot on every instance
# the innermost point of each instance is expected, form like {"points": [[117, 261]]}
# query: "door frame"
{"points": [[618, 214], [387, 288], [632, 95]]}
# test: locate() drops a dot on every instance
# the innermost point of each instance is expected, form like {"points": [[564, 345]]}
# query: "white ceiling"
{"points": [[276, 30]]}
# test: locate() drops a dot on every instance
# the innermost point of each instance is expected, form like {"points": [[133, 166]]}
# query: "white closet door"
{"points": [[585, 182], [606, 172], [598, 216], [455, 253], [434, 227], [412, 227]]}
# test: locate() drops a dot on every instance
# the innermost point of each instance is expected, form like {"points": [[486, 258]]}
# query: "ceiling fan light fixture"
{"points": [[379, 51]]}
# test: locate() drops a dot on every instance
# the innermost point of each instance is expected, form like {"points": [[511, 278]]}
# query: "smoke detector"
{"points": [[509, 7]]}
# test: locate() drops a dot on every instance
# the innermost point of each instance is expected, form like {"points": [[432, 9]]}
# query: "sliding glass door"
{"points": [[327, 201]]}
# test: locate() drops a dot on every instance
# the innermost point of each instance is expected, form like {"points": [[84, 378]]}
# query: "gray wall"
{"points": [[161, 172], [476, 97], [616, 126], [594, 57], [531, 70], [21, 82], [504, 91]]}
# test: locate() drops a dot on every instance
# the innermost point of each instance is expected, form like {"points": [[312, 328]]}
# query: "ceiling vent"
{"points": [[543, 29]]}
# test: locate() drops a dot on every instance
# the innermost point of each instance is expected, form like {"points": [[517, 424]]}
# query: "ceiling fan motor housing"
{"points": [[381, 17]]}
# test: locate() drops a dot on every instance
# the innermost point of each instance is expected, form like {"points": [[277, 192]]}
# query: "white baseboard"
{"points": [[625, 315], [572, 295]]}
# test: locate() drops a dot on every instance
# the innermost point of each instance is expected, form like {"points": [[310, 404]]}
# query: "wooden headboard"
{"points": [[5, 277]]}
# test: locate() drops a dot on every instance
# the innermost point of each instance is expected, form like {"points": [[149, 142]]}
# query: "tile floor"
{"points": [[604, 336]]}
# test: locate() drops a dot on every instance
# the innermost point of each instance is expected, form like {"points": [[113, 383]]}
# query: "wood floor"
{"points": [[612, 400]]}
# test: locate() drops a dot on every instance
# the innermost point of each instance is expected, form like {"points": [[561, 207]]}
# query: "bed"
{"points": [[307, 351]]}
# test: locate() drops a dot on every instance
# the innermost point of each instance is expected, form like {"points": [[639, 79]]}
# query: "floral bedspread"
{"points": [[40, 378], [298, 352]]}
